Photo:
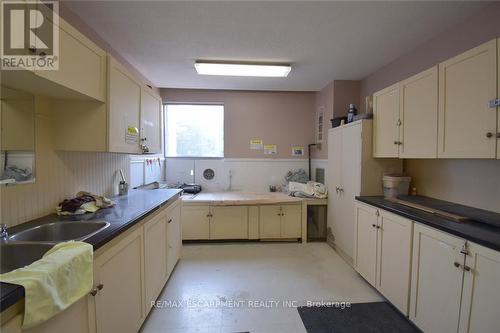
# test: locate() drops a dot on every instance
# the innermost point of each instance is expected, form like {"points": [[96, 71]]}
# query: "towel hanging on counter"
{"points": [[53, 283]]}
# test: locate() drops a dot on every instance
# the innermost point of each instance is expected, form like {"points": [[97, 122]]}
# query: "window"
{"points": [[194, 130]]}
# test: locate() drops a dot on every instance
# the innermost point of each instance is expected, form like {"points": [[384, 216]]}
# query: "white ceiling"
{"points": [[322, 40]]}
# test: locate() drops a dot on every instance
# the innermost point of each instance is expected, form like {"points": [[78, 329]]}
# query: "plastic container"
{"points": [[395, 185]]}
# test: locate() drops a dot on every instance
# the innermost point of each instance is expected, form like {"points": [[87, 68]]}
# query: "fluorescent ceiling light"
{"points": [[242, 69]]}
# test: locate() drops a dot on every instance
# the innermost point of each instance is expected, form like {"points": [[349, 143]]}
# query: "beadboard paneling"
{"points": [[59, 175]]}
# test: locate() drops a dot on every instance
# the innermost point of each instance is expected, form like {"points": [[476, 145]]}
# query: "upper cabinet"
{"points": [[447, 111], [467, 124], [124, 106], [150, 121], [418, 115], [82, 64], [385, 122]]}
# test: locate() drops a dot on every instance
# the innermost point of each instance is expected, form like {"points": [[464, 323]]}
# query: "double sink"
{"points": [[27, 246]]}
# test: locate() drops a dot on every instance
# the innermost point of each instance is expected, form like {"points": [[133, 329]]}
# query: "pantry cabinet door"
{"points": [[419, 115], [174, 236], [481, 298], [385, 122], [124, 110], [155, 257], [334, 179], [195, 222], [394, 259], [291, 222], [270, 222], [498, 96], [151, 120], [119, 305], [467, 125], [229, 222], [366, 242], [436, 284]]}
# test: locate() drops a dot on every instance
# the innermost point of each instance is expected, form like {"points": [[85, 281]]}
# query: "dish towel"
{"points": [[53, 283]]}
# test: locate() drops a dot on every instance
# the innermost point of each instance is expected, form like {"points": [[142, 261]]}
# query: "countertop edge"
{"points": [[427, 222]]}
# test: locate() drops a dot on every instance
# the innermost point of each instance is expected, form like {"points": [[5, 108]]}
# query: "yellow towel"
{"points": [[53, 283]]}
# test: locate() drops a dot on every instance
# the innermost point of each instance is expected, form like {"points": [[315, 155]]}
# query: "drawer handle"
{"points": [[169, 221], [95, 290]]}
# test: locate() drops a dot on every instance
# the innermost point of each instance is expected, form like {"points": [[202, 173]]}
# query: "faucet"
{"points": [[4, 235]]}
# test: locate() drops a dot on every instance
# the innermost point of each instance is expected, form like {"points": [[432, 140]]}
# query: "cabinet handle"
{"points": [[395, 142], [169, 221], [32, 49], [378, 227], [337, 189], [374, 225], [498, 135], [42, 54], [96, 289], [456, 264], [399, 122], [467, 268], [377, 213], [489, 135]]}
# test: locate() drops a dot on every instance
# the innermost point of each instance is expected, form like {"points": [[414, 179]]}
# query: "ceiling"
{"points": [[322, 40]]}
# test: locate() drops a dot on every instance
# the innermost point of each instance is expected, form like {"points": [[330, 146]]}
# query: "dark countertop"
{"points": [[486, 232], [129, 210]]}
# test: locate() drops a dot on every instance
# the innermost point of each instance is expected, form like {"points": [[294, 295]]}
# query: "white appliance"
{"points": [[352, 171]]}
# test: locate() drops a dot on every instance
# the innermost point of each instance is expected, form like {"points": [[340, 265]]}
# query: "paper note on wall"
{"points": [[270, 149], [256, 144], [297, 150]]}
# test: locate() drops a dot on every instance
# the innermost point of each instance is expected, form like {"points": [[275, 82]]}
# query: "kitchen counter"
{"points": [[239, 198], [128, 210], [486, 232]]}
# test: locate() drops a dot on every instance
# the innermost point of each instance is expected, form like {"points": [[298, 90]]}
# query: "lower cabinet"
{"points": [[155, 257], [174, 236], [119, 305], [481, 295], [383, 253], [280, 221], [437, 279], [195, 222], [229, 222]]}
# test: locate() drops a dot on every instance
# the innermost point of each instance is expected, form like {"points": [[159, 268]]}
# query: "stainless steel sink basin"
{"points": [[60, 231], [19, 254]]}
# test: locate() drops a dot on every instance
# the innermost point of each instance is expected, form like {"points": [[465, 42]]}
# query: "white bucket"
{"points": [[395, 185]]}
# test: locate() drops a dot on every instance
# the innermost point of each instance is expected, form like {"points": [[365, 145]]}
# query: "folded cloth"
{"points": [[308, 190], [83, 202], [53, 283]]}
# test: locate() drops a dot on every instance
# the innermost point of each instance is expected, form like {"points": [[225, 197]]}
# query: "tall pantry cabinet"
{"points": [[352, 172]]}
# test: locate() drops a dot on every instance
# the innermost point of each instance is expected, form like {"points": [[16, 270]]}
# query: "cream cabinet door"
{"points": [[419, 115], [119, 305], [291, 221], [174, 236], [436, 284], [481, 298], [366, 242], [229, 222], [385, 122], [498, 96], [270, 221], [195, 222], [467, 125], [394, 259], [82, 64], [334, 179], [151, 121], [155, 257], [124, 110]]}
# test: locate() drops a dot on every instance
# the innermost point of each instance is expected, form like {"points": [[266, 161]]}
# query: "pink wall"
{"points": [[480, 28], [334, 98], [281, 118]]}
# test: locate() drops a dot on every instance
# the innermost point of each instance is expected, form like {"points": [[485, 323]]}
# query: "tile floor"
{"points": [[218, 288]]}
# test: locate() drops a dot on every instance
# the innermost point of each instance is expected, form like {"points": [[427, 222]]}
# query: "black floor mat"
{"points": [[377, 317]]}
